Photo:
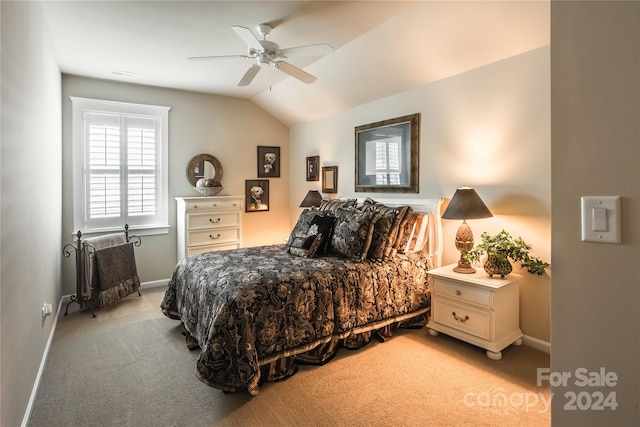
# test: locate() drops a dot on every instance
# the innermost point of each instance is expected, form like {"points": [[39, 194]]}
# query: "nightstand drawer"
{"points": [[462, 317], [213, 236], [463, 292], [210, 220]]}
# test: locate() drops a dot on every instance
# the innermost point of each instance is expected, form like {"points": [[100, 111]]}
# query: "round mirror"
{"points": [[204, 166]]}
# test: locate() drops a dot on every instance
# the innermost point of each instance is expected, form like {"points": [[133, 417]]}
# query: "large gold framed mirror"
{"points": [[204, 166]]}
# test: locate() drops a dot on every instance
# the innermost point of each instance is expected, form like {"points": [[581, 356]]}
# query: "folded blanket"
{"points": [[117, 273], [92, 245]]}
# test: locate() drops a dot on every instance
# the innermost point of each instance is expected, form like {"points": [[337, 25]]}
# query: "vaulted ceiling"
{"points": [[380, 47]]}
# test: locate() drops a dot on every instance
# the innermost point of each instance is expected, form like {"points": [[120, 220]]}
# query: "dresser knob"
{"points": [[458, 293], [214, 238], [214, 222], [195, 206]]}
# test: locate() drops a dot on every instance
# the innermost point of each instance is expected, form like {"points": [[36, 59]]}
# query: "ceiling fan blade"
{"points": [[207, 58], [310, 50], [293, 71], [248, 37], [249, 75]]}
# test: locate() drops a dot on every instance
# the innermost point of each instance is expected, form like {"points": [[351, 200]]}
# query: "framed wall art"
{"points": [[268, 162], [313, 168], [257, 195], [330, 179], [387, 155]]}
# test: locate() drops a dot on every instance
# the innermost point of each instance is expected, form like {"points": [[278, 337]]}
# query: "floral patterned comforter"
{"points": [[253, 307]]}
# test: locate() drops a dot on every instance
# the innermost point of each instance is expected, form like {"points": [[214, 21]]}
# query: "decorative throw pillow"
{"points": [[302, 226], [406, 231], [395, 229], [306, 246], [419, 235], [303, 240], [381, 228], [352, 233], [322, 225], [332, 205]]}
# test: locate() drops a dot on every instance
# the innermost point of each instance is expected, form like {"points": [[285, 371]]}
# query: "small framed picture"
{"points": [[330, 179], [268, 162], [313, 168], [257, 195]]}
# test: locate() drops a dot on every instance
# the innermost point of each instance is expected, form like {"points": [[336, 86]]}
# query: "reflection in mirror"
{"points": [[387, 155], [204, 166]]}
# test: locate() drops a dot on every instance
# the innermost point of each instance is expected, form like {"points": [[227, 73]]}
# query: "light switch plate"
{"points": [[601, 219]]}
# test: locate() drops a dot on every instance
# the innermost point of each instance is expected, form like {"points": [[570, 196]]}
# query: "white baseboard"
{"points": [[154, 284], [36, 384], [537, 344], [64, 300]]}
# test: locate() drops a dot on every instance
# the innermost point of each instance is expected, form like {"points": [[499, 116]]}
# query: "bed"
{"points": [[348, 272]]}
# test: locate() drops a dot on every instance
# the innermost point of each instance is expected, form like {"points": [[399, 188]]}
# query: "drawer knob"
{"points": [[460, 319], [458, 293], [214, 238], [214, 222]]}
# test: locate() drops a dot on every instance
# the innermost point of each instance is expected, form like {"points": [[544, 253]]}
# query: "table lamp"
{"points": [[312, 199], [465, 204]]}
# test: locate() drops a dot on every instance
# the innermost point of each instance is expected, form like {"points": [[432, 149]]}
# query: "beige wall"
{"points": [[595, 75], [488, 128], [30, 191], [228, 128]]}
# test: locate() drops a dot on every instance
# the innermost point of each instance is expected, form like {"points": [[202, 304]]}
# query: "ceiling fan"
{"points": [[266, 52]]}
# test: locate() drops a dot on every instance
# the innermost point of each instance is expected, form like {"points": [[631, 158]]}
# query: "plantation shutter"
{"points": [[122, 179]]}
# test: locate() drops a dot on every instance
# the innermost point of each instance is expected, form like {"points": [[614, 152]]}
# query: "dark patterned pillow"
{"points": [[383, 223], [403, 212], [352, 233], [302, 226], [306, 246], [311, 223], [381, 228], [322, 224], [332, 205]]}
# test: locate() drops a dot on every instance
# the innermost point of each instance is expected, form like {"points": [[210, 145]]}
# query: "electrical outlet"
{"points": [[46, 310]]}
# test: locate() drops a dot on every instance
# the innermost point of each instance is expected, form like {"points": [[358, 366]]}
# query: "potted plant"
{"points": [[500, 248]]}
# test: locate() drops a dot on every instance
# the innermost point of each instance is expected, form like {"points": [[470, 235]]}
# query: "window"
{"points": [[119, 166]]}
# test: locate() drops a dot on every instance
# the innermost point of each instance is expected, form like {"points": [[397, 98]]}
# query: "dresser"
{"points": [[208, 224], [475, 308]]}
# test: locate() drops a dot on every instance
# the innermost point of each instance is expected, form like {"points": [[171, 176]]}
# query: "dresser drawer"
{"points": [[195, 250], [213, 236], [212, 219], [202, 205], [463, 292], [462, 317]]}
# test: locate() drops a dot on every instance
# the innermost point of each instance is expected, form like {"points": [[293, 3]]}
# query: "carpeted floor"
{"points": [[130, 367]]}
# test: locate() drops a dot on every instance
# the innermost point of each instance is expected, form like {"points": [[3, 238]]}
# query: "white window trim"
{"points": [[82, 105]]}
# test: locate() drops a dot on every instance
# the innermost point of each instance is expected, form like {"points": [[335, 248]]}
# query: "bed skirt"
{"points": [[282, 366]]}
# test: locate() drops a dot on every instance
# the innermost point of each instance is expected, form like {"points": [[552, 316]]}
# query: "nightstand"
{"points": [[475, 308]]}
